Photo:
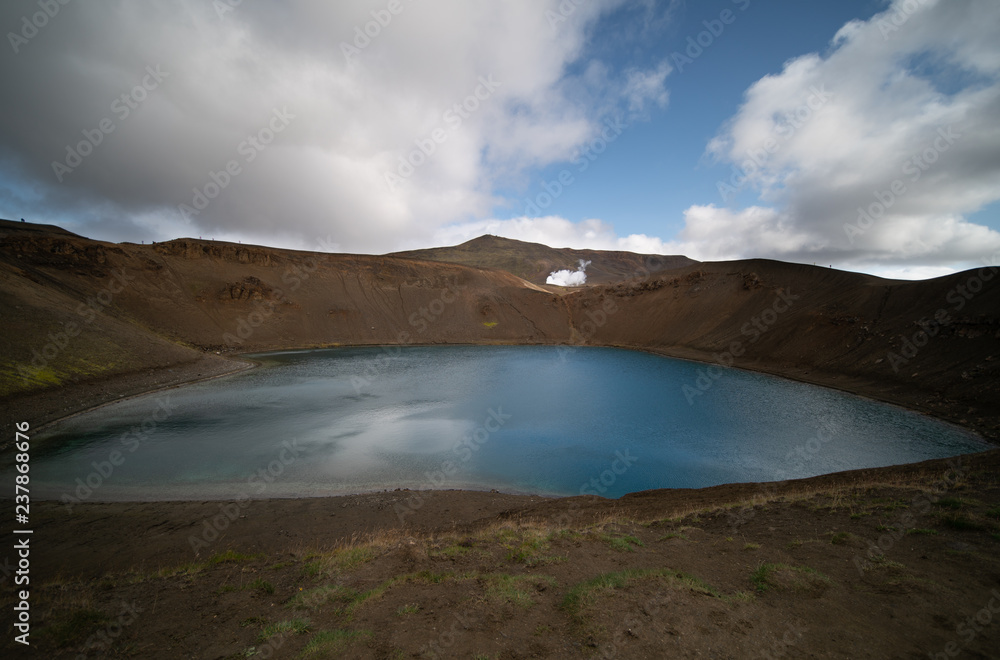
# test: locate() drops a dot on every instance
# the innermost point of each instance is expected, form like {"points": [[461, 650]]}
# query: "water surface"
{"points": [[547, 420]]}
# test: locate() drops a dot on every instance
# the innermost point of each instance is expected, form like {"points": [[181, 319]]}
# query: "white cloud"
{"points": [[909, 100], [355, 118]]}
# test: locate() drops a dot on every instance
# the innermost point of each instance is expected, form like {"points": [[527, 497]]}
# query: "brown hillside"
{"points": [[534, 261]]}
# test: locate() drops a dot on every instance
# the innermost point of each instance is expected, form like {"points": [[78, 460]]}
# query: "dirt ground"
{"points": [[899, 562]]}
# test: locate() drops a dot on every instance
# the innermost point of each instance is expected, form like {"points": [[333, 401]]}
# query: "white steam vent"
{"points": [[569, 277]]}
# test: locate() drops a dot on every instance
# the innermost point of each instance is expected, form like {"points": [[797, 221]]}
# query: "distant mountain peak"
{"points": [[534, 262]]}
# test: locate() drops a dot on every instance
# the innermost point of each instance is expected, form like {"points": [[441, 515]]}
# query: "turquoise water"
{"points": [[546, 420]]}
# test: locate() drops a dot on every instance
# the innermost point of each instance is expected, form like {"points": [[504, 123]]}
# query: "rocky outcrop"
{"points": [[238, 254]]}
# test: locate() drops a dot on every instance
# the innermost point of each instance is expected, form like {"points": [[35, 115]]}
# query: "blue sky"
{"points": [[656, 170], [377, 125]]}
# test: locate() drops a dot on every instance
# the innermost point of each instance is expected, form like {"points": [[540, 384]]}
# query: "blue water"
{"points": [[546, 420]]}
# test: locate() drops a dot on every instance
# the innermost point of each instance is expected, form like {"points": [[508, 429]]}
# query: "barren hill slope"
{"points": [[534, 261]]}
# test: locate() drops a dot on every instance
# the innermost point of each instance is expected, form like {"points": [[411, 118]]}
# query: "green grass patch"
{"points": [[840, 538], [432, 577], [769, 576], [338, 561], [531, 550], [622, 543], [752, 546], [261, 586], [348, 558], [527, 550], [44, 376], [993, 513], [409, 608], [585, 593], [316, 598], [183, 570], [332, 641], [513, 589], [761, 577], [297, 626], [231, 557], [452, 551], [569, 535], [922, 531], [327, 642], [364, 596], [422, 577]]}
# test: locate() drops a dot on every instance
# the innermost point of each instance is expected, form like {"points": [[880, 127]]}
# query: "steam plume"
{"points": [[569, 277]]}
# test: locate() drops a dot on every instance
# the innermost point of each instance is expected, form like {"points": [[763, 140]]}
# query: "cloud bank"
{"points": [[374, 124], [872, 154]]}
